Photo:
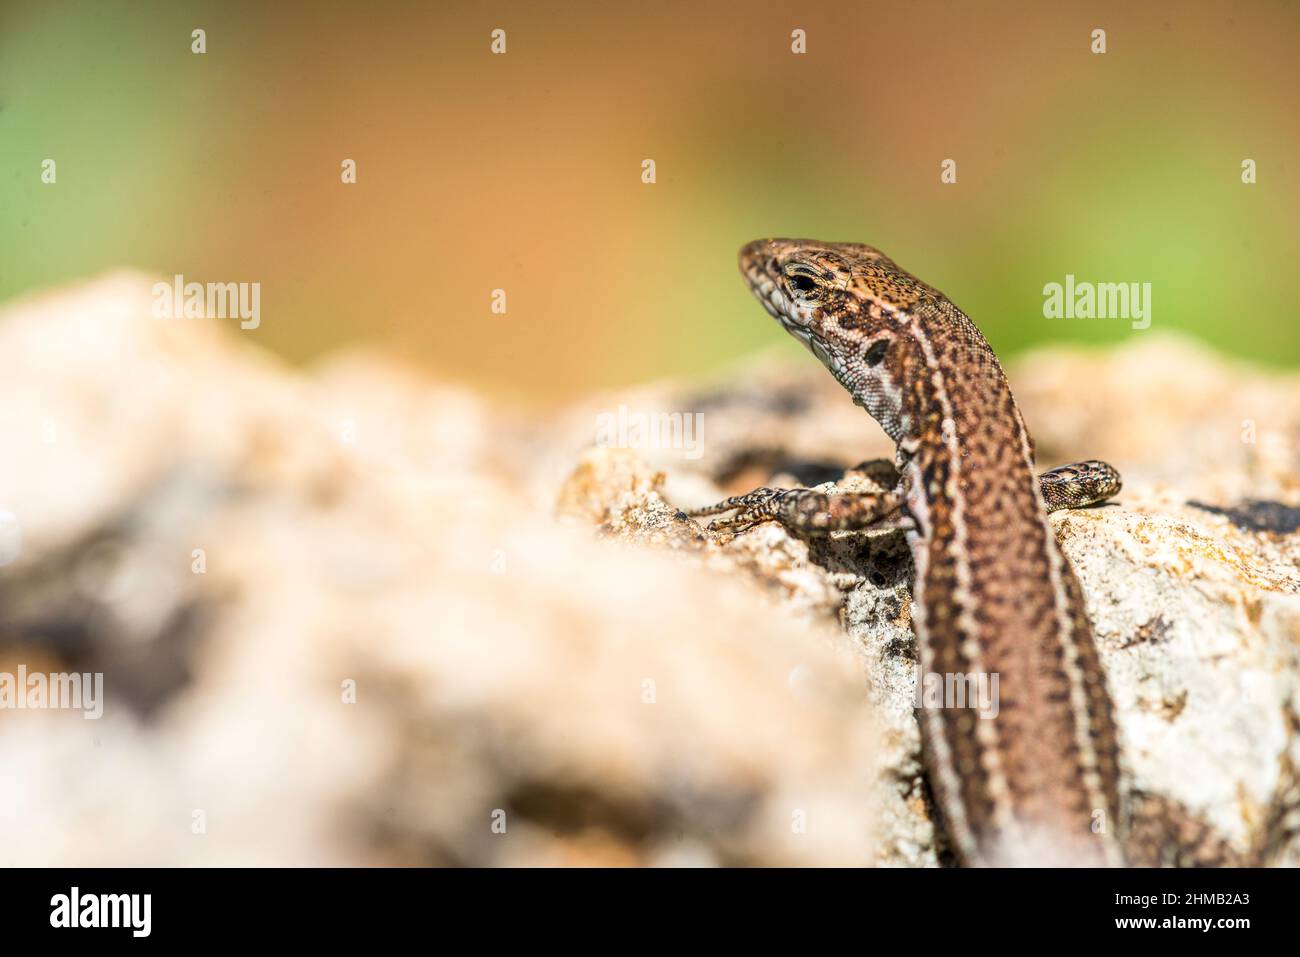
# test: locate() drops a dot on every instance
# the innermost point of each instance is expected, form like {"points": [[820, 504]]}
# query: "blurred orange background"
{"points": [[522, 171]]}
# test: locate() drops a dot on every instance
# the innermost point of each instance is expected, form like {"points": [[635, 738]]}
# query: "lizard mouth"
{"points": [[758, 264], [767, 291]]}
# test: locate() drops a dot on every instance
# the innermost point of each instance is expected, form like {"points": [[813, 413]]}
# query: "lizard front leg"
{"points": [[804, 510], [1079, 485], [810, 512]]}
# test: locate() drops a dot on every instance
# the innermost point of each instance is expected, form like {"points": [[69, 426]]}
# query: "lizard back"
{"points": [[994, 596]]}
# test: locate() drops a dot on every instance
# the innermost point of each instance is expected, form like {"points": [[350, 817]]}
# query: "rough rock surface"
{"points": [[536, 637], [237, 546], [1192, 576]]}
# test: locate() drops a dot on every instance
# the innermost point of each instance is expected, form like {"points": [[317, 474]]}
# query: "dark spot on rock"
{"points": [[904, 648], [1152, 632], [1256, 515], [775, 461]]}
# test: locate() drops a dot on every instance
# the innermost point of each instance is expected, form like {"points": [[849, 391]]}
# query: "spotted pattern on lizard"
{"points": [[993, 592]]}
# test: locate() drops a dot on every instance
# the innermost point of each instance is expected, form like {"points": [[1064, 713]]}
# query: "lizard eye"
{"points": [[876, 352], [802, 278]]}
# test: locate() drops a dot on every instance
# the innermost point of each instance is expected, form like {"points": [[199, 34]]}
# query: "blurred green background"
{"points": [[523, 171]]}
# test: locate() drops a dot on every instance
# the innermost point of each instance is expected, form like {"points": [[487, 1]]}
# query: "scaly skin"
{"points": [[1039, 783]]}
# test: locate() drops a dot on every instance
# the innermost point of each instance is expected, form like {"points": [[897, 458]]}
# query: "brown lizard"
{"points": [[1040, 783]]}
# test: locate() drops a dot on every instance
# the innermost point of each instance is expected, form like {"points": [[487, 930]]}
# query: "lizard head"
{"points": [[847, 303]]}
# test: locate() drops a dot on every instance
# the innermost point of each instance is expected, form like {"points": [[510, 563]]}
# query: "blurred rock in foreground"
{"points": [[354, 616], [237, 547]]}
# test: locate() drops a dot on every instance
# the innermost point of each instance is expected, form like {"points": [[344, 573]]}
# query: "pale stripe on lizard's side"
{"points": [[994, 595]]}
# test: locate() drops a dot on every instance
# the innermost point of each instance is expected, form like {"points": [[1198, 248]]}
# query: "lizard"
{"points": [[1040, 783]]}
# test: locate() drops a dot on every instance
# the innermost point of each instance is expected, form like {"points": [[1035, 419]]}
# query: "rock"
{"points": [[1192, 576], [11, 537], [1172, 412], [350, 615], [336, 627]]}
